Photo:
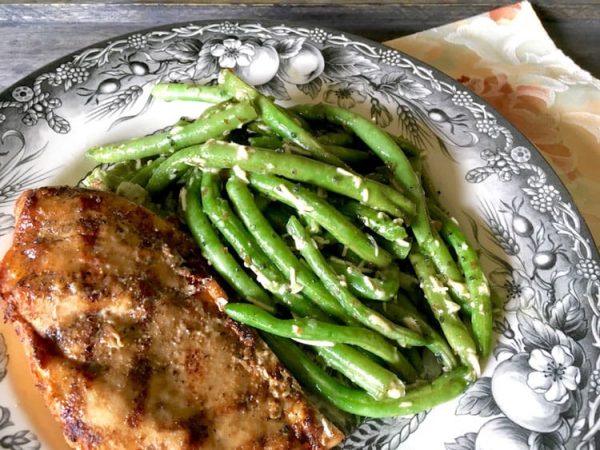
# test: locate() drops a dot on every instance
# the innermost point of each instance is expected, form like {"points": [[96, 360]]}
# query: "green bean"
{"points": [[413, 356], [352, 257], [386, 148], [212, 110], [417, 165], [337, 138], [404, 367], [262, 202], [382, 174], [317, 291], [214, 251], [400, 251], [361, 285], [279, 120], [295, 117], [313, 226], [260, 128], [348, 155], [379, 382], [403, 312], [280, 253], [109, 178], [311, 205], [166, 173], [290, 147], [142, 176], [407, 146], [374, 137], [270, 142], [231, 227], [418, 398], [367, 316], [445, 310], [201, 130], [409, 287], [278, 215], [408, 282], [479, 290], [193, 92], [219, 154], [378, 221], [310, 330]]}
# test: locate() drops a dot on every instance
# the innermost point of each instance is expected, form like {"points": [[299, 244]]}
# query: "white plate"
{"points": [[539, 390]]}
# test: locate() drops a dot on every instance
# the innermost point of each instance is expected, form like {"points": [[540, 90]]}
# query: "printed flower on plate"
{"points": [[233, 53], [554, 374], [519, 293], [346, 95]]}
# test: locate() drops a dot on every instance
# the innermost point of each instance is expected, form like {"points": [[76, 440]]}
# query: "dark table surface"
{"points": [[37, 32]]}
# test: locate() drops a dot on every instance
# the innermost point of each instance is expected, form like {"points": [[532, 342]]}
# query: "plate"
{"points": [[541, 387]]}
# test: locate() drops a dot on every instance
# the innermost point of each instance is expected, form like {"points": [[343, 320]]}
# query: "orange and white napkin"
{"points": [[507, 57]]}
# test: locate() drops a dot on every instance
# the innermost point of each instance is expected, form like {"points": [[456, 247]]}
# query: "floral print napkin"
{"points": [[507, 57]]}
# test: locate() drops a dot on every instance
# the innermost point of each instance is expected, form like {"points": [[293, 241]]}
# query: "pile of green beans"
{"points": [[319, 225]]}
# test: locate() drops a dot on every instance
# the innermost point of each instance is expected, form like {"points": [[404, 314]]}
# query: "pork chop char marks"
{"points": [[119, 317]]}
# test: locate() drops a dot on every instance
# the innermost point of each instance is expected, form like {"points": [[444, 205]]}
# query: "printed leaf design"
{"points": [[361, 434], [503, 351], [21, 440], [466, 442], [3, 358], [545, 441], [540, 235], [341, 63], [206, 63], [311, 89], [566, 318], [478, 174], [578, 427], [478, 400], [68, 84], [5, 418], [274, 88], [376, 434], [399, 84], [113, 72], [568, 315], [288, 48], [184, 51], [381, 114], [58, 124], [573, 410]]}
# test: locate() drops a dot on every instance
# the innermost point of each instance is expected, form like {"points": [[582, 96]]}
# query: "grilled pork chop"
{"points": [[120, 319]]}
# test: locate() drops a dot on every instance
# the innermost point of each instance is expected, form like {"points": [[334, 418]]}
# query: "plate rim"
{"points": [[354, 37], [519, 137]]}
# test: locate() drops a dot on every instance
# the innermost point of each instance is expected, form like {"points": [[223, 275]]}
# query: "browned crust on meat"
{"points": [[117, 312]]}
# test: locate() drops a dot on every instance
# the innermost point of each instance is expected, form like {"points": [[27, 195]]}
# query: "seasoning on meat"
{"points": [[120, 320]]}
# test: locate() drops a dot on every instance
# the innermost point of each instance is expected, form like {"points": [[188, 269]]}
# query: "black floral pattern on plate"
{"points": [[537, 252]]}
